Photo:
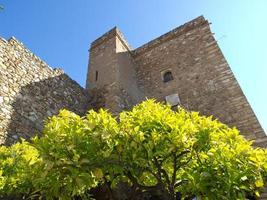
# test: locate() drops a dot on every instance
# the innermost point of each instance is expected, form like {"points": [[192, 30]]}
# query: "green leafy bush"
{"points": [[73, 150], [152, 149], [17, 167]]}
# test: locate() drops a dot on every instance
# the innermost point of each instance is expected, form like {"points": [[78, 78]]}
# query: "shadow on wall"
{"points": [[39, 100]]}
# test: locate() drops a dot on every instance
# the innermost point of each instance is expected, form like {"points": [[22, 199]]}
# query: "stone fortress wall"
{"points": [[31, 91], [119, 77], [202, 77]]}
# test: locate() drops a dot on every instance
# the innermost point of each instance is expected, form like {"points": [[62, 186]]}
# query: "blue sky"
{"points": [[60, 32]]}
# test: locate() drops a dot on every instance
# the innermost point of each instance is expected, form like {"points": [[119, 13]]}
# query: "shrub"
{"points": [[151, 149], [17, 169]]}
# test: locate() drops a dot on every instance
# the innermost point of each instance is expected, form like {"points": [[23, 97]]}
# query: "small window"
{"points": [[167, 76], [96, 76]]}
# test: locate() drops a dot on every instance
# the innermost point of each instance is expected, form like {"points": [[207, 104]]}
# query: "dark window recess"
{"points": [[167, 77], [96, 76]]}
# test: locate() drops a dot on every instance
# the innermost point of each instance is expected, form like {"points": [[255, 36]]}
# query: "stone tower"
{"points": [[184, 66], [112, 72]]}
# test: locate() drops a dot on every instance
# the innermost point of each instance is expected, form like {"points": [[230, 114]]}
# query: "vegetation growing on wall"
{"points": [[152, 149]]}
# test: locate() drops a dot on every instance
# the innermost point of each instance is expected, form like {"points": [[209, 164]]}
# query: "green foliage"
{"points": [[151, 148], [73, 150], [17, 164], [187, 153]]}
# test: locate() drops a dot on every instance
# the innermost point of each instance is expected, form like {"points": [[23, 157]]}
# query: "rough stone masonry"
{"points": [[184, 66]]}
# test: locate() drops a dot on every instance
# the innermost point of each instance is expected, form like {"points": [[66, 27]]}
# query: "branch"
{"points": [[165, 158], [198, 158], [154, 174], [170, 154], [135, 182], [183, 152], [107, 183], [160, 170], [174, 169], [132, 138]]}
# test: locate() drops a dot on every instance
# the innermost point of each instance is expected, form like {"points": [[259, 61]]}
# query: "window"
{"points": [[167, 76], [96, 75]]}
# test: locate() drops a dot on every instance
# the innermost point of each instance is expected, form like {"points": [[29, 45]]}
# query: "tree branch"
{"points": [[162, 171], [135, 182], [174, 169]]}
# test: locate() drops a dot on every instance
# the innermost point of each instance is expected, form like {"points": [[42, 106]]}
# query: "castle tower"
{"points": [[184, 66], [111, 74]]}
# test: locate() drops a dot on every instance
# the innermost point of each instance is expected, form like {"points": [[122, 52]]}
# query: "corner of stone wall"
{"points": [[31, 91]]}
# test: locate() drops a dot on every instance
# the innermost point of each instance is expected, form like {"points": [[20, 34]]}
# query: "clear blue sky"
{"points": [[60, 32]]}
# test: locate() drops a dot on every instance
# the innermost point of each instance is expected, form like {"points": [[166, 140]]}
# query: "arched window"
{"points": [[167, 76]]}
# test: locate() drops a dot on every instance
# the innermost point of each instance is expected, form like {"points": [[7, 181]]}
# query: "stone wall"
{"points": [[120, 77], [202, 77], [111, 69], [31, 91]]}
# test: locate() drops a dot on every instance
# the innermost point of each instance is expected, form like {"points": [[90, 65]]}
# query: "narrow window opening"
{"points": [[167, 76], [96, 76]]}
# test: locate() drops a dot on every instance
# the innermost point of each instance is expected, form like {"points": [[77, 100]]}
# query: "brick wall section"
{"points": [[31, 91], [202, 77]]}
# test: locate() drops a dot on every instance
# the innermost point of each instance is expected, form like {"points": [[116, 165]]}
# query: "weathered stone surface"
{"points": [[201, 75], [173, 99], [31, 91], [119, 77]]}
